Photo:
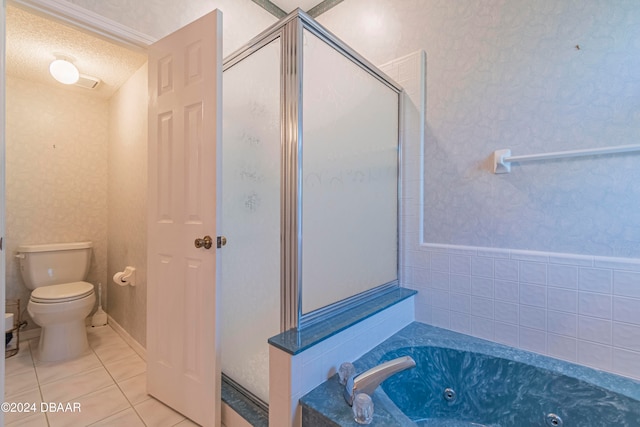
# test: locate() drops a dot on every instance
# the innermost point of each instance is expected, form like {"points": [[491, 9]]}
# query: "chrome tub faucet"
{"points": [[369, 380]]}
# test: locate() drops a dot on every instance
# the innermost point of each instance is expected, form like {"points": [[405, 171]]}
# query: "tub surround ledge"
{"points": [[295, 341]]}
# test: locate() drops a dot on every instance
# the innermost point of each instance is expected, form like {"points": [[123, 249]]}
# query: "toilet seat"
{"points": [[61, 293]]}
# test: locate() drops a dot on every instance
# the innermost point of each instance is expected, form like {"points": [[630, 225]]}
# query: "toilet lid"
{"points": [[61, 293]]}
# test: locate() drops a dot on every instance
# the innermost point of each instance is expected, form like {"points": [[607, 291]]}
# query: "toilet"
{"points": [[60, 299]]}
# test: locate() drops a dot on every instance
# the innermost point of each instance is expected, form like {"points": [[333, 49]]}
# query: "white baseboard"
{"points": [[135, 345]]}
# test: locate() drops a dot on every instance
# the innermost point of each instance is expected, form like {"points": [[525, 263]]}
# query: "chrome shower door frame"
{"points": [[290, 31]]}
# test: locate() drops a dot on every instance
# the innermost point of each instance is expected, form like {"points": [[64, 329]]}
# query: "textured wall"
{"points": [[580, 308], [509, 74], [128, 203], [242, 19], [56, 174]]}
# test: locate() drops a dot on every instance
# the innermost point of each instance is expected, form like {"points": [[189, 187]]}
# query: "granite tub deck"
{"points": [[494, 385]]}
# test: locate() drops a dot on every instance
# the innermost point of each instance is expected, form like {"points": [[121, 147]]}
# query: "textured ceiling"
{"points": [[32, 42]]}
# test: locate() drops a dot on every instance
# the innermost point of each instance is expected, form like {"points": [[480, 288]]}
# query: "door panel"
{"points": [[185, 72]]}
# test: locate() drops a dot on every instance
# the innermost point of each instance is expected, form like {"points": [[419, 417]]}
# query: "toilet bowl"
{"points": [[60, 311], [60, 300]]}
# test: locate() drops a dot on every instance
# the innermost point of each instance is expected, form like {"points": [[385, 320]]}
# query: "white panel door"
{"points": [[185, 74]]}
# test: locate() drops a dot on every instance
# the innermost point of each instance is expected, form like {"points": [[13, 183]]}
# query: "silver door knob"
{"points": [[205, 242]]}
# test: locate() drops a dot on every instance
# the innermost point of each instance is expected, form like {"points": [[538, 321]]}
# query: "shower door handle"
{"points": [[205, 242]]}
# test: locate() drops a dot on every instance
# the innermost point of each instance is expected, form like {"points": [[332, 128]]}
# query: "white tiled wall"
{"points": [[577, 308], [291, 377]]}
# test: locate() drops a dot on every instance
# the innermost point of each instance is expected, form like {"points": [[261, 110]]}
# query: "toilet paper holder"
{"points": [[126, 277]]}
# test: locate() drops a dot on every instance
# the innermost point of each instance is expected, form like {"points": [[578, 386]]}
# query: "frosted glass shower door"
{"points": [[350, 178], [250, 281]]}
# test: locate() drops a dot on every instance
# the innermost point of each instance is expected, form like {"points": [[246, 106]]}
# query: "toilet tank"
{"points": [[53, 264]]}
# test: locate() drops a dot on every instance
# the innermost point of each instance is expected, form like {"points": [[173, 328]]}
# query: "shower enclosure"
{"points": [[310, 189]]}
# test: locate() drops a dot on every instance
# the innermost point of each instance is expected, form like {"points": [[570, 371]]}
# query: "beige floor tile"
{"points": [[89, 381], [33, 345], [128, 418], [35, 420], [25, 348], [156, 414], [19, 363], [128, 367], [115, 351], [20, 383], [135, 388], [77, 385], [53, 371], [101, 336], [32, 396], [94, 407], [187, 423]]}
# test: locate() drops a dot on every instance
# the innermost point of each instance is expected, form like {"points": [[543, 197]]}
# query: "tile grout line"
{"points": [[131, 406], [33, 361], [102, 364]]}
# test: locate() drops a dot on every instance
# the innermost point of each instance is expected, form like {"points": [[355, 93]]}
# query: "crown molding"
{"points": [[82, 18]]}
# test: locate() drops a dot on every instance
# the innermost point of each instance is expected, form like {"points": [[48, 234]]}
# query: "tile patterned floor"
{"points": [[108, 382]]}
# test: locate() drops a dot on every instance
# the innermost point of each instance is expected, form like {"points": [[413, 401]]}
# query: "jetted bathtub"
{"points": [[462, 381]]}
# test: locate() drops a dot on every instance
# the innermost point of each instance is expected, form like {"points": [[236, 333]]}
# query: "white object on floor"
{"points": [[99, 317]]}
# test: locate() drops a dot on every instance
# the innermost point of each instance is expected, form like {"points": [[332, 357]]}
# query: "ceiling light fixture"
{"points": [[64, 71]]}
